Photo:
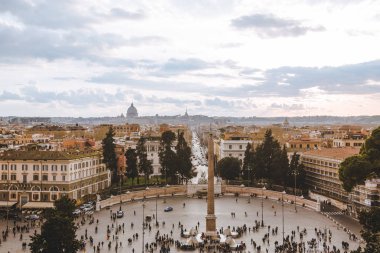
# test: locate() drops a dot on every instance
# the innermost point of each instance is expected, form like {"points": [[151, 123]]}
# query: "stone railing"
{"points": [[181, 190], [268, 193], [147, 193]]}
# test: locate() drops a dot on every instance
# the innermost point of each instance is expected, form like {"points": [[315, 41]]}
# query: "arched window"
{"points": [[13, 188], [36, 188], [54, 189]]}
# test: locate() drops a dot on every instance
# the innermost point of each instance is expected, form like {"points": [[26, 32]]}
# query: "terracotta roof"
{"points": [[334, 153], [45, 155]]}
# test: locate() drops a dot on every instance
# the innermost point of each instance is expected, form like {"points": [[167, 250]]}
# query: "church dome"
{"points": [[132, 112]]}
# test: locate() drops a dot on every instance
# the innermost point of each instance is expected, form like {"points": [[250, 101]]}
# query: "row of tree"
{"points": [[267, 162], [175, 161]]}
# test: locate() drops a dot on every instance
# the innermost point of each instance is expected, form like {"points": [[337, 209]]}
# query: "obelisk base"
{"points": [[211, 226]]}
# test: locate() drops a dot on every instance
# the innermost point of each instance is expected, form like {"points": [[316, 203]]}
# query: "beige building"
{"points": [[44, 176], [366, 195], [322, 168]]}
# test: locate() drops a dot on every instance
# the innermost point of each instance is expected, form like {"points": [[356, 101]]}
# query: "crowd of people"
{"points": [[164, 238]]}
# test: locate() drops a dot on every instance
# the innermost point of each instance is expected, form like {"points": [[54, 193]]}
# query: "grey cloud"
{"points": [[283, 81], [79, 97], [144, 40], [171, 100], [121, 13], [177, 66], [291, 107], [48, 14], [6, 95], [218, 102], [272, 26], [34, 42], [346, 79]]}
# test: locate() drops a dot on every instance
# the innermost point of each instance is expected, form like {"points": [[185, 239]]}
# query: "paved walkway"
{"points": [[194, 212]]}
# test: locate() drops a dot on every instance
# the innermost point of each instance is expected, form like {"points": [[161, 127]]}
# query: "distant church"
{"points": [[132, 112]]}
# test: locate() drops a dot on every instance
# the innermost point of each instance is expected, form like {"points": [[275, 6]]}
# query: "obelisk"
{"points": [[210, 218]]}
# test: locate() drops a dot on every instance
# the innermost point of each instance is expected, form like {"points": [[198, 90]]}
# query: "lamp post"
{"points": [[295, 173], [143, 228], [120, 176], [156, 205], [262, 206], [283, 217]]}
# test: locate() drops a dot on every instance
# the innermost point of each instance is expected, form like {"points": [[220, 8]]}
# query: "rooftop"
{"points": [[334, 153], [45, 155]]}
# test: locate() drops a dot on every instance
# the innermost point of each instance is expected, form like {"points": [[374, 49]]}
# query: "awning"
{"points": [[7, 203], [38, 205]]}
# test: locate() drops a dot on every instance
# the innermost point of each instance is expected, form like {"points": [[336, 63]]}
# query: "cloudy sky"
{"points": [[214, 57]]}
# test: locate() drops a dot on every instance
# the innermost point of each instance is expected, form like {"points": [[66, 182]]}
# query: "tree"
{"points": [[249, 164], [58, 233], [370, 220], [109, 154], [297, 168], [265, 154], [144, 165], [168, 158], [229, 168], [183, 158], [280, 166], [354, 170], [131, 162]]}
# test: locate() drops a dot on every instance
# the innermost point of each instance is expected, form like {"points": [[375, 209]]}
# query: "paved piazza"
{"points": [[194, 211]]}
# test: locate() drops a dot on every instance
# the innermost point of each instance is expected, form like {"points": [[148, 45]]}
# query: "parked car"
{"points": [[119, 214], [168, 209], [77, 212]]}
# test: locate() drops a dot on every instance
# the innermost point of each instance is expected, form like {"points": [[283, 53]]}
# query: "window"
{"points": [[36, 167], [63, 167], [24, 167], [35, 177], [4, 167], [13, 177], [13, 195], [35, 197], [4, 177], [54, 178], [54, 167], [44, 168], [44, 177], [63, 178], [229, 146], [24, 179], [240, 146], [13, 166]]}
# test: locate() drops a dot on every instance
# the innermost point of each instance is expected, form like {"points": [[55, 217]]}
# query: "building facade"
{"points": [[322, 171], [44, 176]]}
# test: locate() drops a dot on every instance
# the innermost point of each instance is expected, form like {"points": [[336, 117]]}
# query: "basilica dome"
{"points": [[132, 112]]}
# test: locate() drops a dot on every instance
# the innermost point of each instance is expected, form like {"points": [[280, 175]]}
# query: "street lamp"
{"points": [[120, 176], [143, 226], [262, 206], [295, 173], [283, 218], [156, 205]]}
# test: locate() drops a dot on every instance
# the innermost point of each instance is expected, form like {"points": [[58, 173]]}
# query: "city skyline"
{"points": [[216, 58]]}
